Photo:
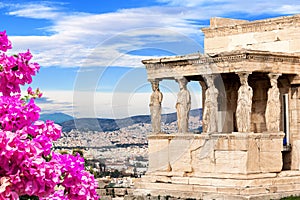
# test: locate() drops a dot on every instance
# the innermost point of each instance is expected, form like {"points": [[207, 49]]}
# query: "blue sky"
{"points": [[90, 51]]}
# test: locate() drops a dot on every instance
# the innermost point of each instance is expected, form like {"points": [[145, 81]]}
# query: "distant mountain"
{"points": [[58, 118], [102, 124]]}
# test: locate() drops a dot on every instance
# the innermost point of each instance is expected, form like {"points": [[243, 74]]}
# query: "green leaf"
{"points": [[27, 197], [15, 68]]}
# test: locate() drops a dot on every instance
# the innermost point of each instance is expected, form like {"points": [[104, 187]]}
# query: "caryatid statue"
{"points": [[210, 112], [155, 107], [183, 106], [244, 104], [272, 114]]}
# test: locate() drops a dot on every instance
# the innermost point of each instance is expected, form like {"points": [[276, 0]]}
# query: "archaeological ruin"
{"points": [[250, 144]]}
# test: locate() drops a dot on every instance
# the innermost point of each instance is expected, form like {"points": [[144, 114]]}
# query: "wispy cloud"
{"points": [[221, 7], [82, 39], [34, 11], [289, 9], [43, 100]]}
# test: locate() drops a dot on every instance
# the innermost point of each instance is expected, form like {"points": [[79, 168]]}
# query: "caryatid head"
{"points": [[209, 79], [182, 83], [243, 78], [273, 79], [155, 85]]}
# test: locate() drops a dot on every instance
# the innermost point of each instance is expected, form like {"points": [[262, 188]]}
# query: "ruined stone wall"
{"points": [[276, 35]]}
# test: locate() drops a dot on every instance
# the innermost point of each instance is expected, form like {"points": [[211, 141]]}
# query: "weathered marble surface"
{"points": [[236, 153], [276, 34], [222, 166]]}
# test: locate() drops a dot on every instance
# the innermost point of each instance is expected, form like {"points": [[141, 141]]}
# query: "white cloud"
{"points": [[41, 10], [36, 12], [79, 41], [254, 7], [289, 9], [83, 39]]}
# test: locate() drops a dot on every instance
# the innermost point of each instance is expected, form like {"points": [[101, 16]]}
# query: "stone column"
{"points": [[155, 107], [183, 106], [244, 104], [210, 112], [293, 128], [273, 113], [204, 88]]}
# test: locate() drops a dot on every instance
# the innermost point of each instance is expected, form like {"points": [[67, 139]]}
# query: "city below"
{"points": [[123, 150]]}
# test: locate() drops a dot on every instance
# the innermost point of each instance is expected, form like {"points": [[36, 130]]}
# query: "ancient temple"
{"points": [[250, 144]]}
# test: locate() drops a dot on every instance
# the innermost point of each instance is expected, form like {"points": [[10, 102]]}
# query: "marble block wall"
{"points": [[234, 153]]}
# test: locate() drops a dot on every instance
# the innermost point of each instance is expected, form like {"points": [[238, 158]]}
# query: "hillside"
{"points": [[102, 124], [56, 117]]}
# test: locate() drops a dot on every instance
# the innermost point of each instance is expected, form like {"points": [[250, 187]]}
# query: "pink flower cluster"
{"points": [[78, 183], [5, 44], [15, 114], [23, 165], [15, 70], [34, 94], [28, 166]]}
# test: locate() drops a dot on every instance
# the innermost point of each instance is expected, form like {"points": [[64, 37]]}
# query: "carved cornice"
{"points": [[233, 57], [273, 58], [255, 26]]}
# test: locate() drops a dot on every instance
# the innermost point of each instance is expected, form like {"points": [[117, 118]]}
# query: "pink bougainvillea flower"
{"points": [[30, 91], [5, 44], [4, 182]]}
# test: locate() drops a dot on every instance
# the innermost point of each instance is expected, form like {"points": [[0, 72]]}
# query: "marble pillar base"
{"points": [[262, 186]]}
